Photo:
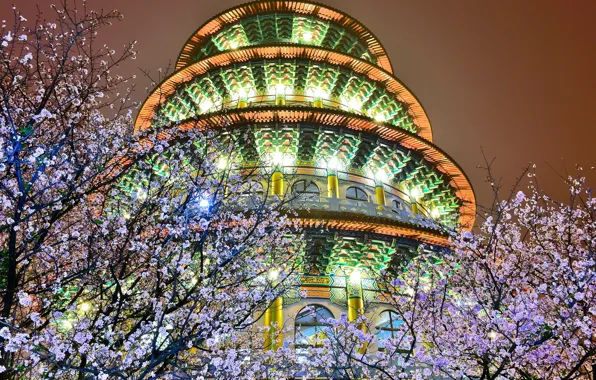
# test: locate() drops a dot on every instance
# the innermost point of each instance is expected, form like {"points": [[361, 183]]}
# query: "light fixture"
{"points": [[205, 105], [307, 36], [355, 104], [333, 164], [355, 276], [85, 306], [381, 175], [273, 274], [435, 213], [281, 89], [204, 203], [380, 117], [233, 44], [319, 93], [67, 324], [281, 159], [415, 193], [222, 163]]}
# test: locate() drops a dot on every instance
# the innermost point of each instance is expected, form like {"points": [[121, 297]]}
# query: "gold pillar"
{"points": [[267, 319], [318, 103], [380, 194], [242, 104], [278, 317], [280, 100], [277, 182], [332, 185], [274, 319], [414, 207], [356, 307]]}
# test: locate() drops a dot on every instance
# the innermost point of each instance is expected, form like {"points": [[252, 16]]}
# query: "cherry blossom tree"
{"points": [[515, 300], [123, 254]]}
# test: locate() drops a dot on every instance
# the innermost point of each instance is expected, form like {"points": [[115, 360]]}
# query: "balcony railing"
{"points": [[343, 205]]}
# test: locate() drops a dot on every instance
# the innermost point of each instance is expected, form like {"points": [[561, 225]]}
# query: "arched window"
{"points": [[356, 194], [387, 326], [310, 326], [306, 190]]}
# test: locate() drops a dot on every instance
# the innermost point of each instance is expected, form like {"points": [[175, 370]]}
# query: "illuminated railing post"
{"points": [[268, 334], [277, 314], [380, 177], [356, 300], [274, 319], [280, 95], [332, 180], [414, 195]]}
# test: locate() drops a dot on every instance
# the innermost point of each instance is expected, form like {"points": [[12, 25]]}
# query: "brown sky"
{"points": [[517, 78]]}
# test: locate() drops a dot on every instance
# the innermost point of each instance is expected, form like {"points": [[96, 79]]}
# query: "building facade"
{"points": [[314, 93]]}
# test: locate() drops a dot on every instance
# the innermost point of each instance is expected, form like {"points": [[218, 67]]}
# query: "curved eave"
{"points": [[268, 6], [431, 153], [169, 85], [357, 222]]}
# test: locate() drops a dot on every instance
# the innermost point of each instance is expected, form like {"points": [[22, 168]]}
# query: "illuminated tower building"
{"points": [[315, 90]]}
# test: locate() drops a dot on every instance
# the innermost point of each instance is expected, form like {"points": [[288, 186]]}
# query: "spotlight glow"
{"points": [[355, 277], [415, 193], [222, 164], [333, 164], [85, 306]]}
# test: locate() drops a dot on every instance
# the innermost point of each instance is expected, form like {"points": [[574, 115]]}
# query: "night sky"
{"points": [[517, 78]]}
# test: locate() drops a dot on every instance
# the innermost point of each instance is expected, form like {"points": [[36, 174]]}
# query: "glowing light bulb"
{"points": [[381, 175], [85, 306], [281, 159], [307, 36], [273, 274], [242, 93], [233, 44], [435, 213], [333, 163], [380, 117], [319, 92], [67, 324], [415, 193], [355, 104], [280, 89], [277, 158], [222, 163], [204, 203], [355, 277], [205, 105], [492, 335]]}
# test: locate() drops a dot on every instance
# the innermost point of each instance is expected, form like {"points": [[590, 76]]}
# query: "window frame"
{"points": [[357, 189], [319, 325], [392, 330], [305, 194]]}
